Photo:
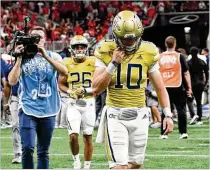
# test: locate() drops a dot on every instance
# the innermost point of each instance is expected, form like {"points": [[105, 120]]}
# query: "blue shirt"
{"points": [[2, 76], [63, 55], [15, 89], [39, 95], [5, 69]]}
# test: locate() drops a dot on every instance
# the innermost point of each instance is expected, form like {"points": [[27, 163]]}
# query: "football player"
{"points": [[81, 109], [128, 59]]}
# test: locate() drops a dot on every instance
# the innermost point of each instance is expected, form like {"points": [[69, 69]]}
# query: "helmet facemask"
{"points": [[79, 47], [129, 49], [79, 51]]}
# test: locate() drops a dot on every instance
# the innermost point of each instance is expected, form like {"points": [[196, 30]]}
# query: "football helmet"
{"points": [[76, 41], [127, 27]]}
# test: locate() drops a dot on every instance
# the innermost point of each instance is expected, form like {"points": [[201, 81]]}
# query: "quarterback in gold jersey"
{"points": [[81, 109], [129, 61]]}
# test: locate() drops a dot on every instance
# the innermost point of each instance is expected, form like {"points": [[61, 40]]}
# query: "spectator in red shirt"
{"points": [[151, 12], [78, 30], [55, 16], [92, 32], [99, 37], [91, 23], [45, 12]]}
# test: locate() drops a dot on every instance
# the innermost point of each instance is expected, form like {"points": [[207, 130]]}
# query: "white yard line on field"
{"points": [[204, 144], [175, 151], [157, 138], [148, 155]]}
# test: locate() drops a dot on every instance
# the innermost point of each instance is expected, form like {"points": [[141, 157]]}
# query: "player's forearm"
{"points": [[103, 78], [101, 82], [63, 88], [162, 94], [164, 101], [14, 74], [187, 80], [163, 97]]}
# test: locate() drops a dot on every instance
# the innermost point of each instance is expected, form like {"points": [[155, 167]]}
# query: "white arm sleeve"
{"points": [[99, 63], [154, 68], [56, 56]]}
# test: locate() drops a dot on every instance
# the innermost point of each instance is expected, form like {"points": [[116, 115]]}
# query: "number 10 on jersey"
{"points": [[129, 83]]}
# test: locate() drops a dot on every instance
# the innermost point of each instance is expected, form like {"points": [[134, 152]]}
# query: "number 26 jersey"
{"points": [[81, 74]]}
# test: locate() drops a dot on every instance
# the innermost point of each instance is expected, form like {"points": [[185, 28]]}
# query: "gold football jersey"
{"points": [[127, 87], [80, 74]]}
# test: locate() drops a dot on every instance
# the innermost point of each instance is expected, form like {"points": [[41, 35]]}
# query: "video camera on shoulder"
{"points": [[28, 41]]}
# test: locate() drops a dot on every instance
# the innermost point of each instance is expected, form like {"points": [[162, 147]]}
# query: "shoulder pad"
{"points": [[67, 60], [151, 52], [104, 51], [91, 59], [150, 48]]}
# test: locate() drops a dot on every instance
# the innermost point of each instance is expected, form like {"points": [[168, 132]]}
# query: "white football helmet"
{"points": [[76, 41]]}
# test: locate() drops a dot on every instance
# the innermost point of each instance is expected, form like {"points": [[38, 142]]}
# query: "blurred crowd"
{"points": [[63, 19]]}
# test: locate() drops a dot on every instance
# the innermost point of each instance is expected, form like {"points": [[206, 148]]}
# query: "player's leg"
{"points": [[198, 97], [156, 114], [73, 118], [15, 130], [57, 119], [154, 120], [182, 117], [88, 150], [88, 122], [64, 104], [138, 139], [116, 140]]}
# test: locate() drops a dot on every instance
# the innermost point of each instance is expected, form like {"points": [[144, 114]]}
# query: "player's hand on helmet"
{"points": [[118, 55], [168, 125]]}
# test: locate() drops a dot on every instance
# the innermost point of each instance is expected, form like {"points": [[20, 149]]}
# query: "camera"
{"points": [[28, 41]]}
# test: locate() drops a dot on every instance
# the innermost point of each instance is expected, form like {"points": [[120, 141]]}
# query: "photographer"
{"points": [[39, 99]]}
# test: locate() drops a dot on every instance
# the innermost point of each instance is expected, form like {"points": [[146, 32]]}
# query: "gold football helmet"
{"points": [[79, 47], [127, 31]]}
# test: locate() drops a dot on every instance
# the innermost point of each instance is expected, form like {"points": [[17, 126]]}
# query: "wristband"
{"points": [[167, 112], [111, 68], [88, 90], [115, 63]]}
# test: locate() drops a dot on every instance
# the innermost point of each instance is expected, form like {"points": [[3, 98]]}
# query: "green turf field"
{"points": [[191, 153]]}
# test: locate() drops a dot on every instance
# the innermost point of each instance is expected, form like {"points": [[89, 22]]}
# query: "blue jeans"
{"points": [[29, 127]]}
